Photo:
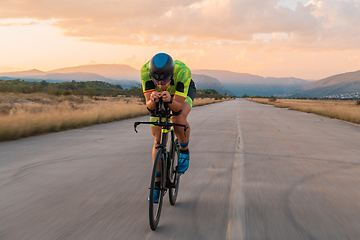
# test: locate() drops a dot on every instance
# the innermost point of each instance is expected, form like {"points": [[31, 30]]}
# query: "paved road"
{"points": [[257, 172]]}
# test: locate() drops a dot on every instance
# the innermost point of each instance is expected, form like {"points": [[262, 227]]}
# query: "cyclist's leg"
{"points": [[156, 132], [183, 138], [182, 119], [184, 156]]}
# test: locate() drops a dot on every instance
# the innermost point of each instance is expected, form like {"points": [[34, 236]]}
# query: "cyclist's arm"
{"points": [[183, 78], [177, 103], [175, 106], [150, 104], [148, 86]]}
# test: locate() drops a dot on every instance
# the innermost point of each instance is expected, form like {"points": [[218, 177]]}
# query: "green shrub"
{"points": [[272, 98], [55, 92], [67, 93]]}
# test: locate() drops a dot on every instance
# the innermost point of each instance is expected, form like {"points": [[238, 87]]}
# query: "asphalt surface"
{"points": [[256, 172]]}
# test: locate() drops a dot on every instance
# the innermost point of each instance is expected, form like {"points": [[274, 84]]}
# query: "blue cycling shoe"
{"points": [[183, 162], [156, 195]]}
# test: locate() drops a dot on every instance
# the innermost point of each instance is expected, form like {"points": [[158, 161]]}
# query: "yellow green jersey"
{"points": [[179, 84]]}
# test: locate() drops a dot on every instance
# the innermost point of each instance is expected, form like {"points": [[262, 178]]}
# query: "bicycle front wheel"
{"points": [[155, 208], [173, 175]]}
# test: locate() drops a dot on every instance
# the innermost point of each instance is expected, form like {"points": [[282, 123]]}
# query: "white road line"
{"points": [[236, 222]]}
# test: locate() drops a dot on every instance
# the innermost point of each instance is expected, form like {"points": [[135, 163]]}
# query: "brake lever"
{"points": [[135, 125]]}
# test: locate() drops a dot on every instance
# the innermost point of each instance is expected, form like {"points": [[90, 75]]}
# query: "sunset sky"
{"points": [[305, 39]]}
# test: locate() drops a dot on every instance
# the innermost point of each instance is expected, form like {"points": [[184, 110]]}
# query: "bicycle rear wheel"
{"points": [[173, 175], [155, 208]]}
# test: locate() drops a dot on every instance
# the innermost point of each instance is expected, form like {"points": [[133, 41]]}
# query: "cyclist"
{"points": [[170, 80]]}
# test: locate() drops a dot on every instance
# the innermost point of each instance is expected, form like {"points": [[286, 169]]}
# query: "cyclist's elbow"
{"points": [[176, 106]]}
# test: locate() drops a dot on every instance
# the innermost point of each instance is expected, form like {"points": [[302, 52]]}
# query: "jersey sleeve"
{"points": [[183, 78], [147, 84]]}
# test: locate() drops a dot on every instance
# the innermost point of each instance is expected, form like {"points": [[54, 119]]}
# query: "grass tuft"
{"points": [[347, 110], [24, 115]]}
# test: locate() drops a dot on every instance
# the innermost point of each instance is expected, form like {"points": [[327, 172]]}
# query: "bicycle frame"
{"points": [[163, 112], [169, 179]]}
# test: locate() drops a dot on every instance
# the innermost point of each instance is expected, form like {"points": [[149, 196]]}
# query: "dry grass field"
{"points": [[23, 115], [347, 110]]}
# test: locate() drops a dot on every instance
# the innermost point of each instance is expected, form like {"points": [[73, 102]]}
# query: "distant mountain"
{"points": [[206, 82], [78, 76], [222, 81], [91, 73], [241, 83], [228, 76], [21, 74], [337, 86], [112, 71]]}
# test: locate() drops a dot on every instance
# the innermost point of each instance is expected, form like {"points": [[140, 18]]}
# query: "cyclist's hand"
{"points": [[154, 96], [166, 97]]}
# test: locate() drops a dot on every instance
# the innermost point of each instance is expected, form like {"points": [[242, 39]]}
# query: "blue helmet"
{"points": [[161, 67]]}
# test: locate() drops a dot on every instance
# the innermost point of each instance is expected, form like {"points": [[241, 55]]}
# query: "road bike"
{"points": [[167, 157]]}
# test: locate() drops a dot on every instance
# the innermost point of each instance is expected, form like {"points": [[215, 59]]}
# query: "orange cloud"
{"points": [[318, 25], [245, 36]]}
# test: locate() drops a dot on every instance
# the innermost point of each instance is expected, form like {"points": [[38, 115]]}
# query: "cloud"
{"points": [[7, 69], [92, 62], [16, 22], [132, 61], [320, 25]]}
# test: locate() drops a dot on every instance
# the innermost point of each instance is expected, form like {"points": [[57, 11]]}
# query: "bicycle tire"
{"points": [[155, 208], [175, 180]]}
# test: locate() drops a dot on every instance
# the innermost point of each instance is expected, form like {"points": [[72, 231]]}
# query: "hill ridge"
{"points": [[220, 80]]}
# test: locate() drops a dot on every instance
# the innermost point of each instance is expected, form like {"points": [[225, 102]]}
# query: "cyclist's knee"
{"points": [[156, 140], [181, 119], [156, 132], [157, 137]]}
